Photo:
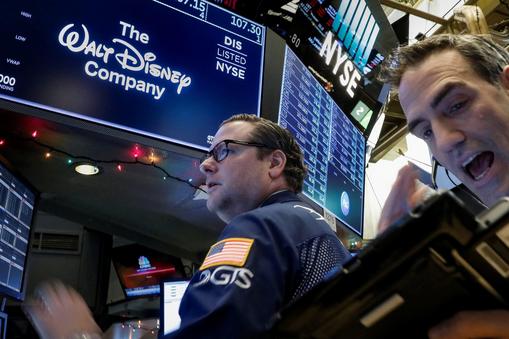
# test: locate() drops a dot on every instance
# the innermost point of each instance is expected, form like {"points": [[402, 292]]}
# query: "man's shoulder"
{"points": [[286, 205], [276, 207], [294, 218], [285, 209]]}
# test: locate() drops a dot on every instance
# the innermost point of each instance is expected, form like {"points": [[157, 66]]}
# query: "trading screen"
{"points": [[16, 211], [172, 69], [334, 150]]}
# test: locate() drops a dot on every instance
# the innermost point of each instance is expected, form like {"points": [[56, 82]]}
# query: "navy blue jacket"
{"points": [[264, 259]]}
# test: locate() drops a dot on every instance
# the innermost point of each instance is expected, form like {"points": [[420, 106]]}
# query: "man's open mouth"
{"points": [[479, 164]]}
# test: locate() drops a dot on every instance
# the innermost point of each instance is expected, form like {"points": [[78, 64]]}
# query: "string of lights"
{"points": [[76, 158], [133, 327]]}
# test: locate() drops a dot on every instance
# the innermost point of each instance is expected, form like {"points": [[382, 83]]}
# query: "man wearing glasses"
{"points": [[273, 249]]}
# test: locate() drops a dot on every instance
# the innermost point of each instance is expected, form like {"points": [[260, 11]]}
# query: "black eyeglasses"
{"points": [[221, 150]]}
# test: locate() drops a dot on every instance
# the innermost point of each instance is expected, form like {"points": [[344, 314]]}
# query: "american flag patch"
{"points": [[231, 251]]}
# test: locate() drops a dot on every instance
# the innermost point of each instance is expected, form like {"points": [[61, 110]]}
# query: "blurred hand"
{"points": [[57, 311], [473, 324], [407, 192]]}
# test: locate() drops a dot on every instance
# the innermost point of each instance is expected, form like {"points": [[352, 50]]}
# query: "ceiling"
{"points": [[136, 203]]}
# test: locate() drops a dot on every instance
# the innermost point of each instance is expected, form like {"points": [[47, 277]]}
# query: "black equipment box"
{"points": [[436, 261]]}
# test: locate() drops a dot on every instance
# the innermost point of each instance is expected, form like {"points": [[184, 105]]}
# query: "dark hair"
{"points": [[271, 134], [486, 57]]}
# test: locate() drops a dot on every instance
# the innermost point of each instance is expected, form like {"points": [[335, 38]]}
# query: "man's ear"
{"points": [[505, 77], [277, 163]]}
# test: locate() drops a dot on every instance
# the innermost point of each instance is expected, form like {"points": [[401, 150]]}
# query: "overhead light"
{"points": [[86, 169]]}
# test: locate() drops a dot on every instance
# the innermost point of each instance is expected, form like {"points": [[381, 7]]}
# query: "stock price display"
{"points": [[172, 69], [334, 150], [16, 211]]}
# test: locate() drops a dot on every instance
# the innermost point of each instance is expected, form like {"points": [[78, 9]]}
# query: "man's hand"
{"points": [[473, 324], [406, 193], [57, 311]]}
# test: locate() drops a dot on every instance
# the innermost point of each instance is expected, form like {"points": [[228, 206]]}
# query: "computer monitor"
{"points": [[172, 70], [172, 292], [343, 42], [361, 26], [141, 269], [334, 149], [362, 113], [17, 206]]}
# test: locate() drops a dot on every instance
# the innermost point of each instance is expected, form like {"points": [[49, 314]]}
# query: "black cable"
{"points": [[449, 176], [114, 161], [400, 152], [460, 186], [374, 192], [464, 189], [434, 170]]}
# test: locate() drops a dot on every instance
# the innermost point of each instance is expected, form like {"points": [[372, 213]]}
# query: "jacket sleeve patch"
{"points": [[230, 251]]}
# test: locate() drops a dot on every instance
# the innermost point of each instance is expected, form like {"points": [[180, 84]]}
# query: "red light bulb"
{"points": [[136, 152]]}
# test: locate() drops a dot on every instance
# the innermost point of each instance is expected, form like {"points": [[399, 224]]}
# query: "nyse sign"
{"points": [[230, 59], [348, 75], [357, 29]]}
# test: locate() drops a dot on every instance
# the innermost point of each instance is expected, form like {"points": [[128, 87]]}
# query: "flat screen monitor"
{"points": [[171, 294], [141, 269], [343, 42], [169, 69], [362, 113], [361, 26], [17, 201], [334, 149]]}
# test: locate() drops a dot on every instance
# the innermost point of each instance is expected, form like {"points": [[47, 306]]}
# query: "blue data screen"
{"points": [[172, 69], [16, 213], [334, 149]]}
